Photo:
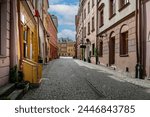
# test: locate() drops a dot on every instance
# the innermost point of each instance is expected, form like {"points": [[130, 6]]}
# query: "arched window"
{"points": [[124, 40], [112, 48]]}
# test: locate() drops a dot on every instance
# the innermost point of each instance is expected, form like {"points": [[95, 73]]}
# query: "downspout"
{"points": [[137, 39], [20, 39], [82, 30], [97, 59], [139, 69]]}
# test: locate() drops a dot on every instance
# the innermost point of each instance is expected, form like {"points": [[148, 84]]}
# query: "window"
{"points": [[123, 3], [101, 22], [88, 28], [93, 49], [112, 7], [84, 32], [84, 13], [101, 49], [93, 24], [89, 7], [31, 45], [124, 43], [93, 3], [25, 42]]}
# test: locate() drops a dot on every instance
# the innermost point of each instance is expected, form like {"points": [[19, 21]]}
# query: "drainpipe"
{"points": [[139, 68], [20, 39], [82, 30], [97, 59]]}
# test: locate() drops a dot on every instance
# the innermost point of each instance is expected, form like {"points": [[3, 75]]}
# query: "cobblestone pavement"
{"points": [[68, 79]]}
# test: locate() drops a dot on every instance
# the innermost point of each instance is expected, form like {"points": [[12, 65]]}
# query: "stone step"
{"points": [[6, 90], [16, 94]]}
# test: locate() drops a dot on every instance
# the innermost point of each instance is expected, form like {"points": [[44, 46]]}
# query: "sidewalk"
{"points": [[115, 74]]}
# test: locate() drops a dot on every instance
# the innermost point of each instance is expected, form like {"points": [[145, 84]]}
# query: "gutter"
{"points": [[139, 66], [20, 39], [97, 58]]}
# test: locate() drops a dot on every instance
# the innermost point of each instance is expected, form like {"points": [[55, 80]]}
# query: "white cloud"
{"points": [[66, 13], [66, 33]]}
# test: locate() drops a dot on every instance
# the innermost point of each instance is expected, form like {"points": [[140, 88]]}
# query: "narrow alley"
{"points": [[71, 79]]}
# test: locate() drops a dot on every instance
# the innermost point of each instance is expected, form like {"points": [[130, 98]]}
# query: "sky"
{"points": [[65, 10]]}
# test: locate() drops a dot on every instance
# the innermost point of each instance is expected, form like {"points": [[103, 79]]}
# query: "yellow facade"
{"points": [[67, 49], [71, 49], [30, 45], [29, 35]]}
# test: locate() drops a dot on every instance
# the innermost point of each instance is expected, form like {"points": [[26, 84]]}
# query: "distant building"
{"points": [[66, 47], [65, 40], [55, 20]]}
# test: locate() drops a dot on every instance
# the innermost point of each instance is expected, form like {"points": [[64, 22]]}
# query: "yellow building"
{"points": [[67, 48], [71, 49], [29, 42]]}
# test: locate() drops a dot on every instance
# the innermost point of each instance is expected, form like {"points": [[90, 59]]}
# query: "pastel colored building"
{"points": [[144, 40], [52, 30], [86, 30], [8, 39]]}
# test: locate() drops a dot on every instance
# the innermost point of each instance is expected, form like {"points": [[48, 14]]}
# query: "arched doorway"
{"points": [[112, 49]]}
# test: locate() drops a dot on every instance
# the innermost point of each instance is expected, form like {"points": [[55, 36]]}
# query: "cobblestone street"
{"points": [[69, 79]]}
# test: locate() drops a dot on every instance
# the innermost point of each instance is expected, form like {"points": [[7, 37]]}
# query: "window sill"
{"points": [[125, 55], [101, 25], [124, 6], [113, 15], [1, 56]]}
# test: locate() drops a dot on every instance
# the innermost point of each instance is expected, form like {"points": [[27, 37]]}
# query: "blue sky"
{"points": [[65, 10]]}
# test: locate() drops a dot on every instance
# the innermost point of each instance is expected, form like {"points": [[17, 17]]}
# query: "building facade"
{"points": [[8, 39], [47, 35], [71, 49], [66, 48], [41, 31], [62, 49], [144, 36], [21, 27], [117, 35], [86, 30], [52, 30]]}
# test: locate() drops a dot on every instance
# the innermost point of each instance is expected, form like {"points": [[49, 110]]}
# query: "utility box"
{"points": [[32, 72]]}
